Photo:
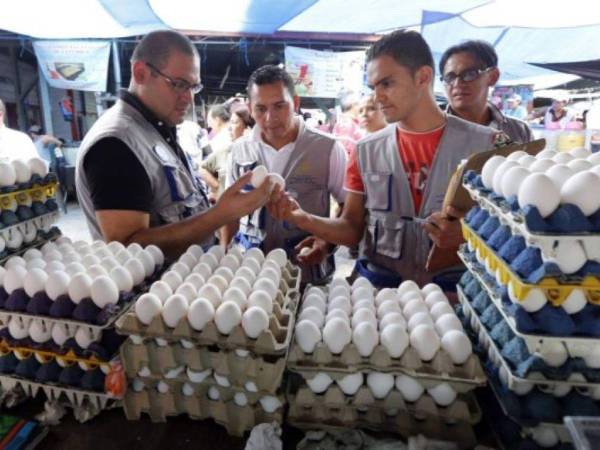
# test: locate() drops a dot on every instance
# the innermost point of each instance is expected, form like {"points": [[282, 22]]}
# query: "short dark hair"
{"points": [[221, 111], [480, 50], [408, 48], [156, 47], [270, 74]]}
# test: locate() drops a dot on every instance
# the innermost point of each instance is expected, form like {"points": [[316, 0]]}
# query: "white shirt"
{"points": [[15, 145], [276, 160]]}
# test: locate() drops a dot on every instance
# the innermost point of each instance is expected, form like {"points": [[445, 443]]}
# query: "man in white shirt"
{"points": [[312, 164], [14, 144]]}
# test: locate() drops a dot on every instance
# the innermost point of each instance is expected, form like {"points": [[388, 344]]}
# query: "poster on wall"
{"points": [[325, 74], [79, 65]]}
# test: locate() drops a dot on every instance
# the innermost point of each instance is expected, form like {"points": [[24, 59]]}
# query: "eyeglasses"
{"points": [[179, 86], [466, 76]]}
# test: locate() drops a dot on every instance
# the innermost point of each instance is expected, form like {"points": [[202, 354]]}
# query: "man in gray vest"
{"points": [[401, 171], [312, 164], [134, 182], [468, 71]]}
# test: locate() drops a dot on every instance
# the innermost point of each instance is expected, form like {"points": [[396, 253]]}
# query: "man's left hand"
{"points": [[316, 251], [444, 228]]}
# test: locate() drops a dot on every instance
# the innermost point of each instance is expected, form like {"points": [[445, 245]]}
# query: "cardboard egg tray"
{"points": [[47, 355], [37, 221], [273, 341], [38, 242], [496, 357], [236, 419], [310, 411], [576, 346], [265, 372], [556, 292]]}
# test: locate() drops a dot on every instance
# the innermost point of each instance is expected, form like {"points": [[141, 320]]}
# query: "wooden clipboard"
{"points": [[458, 197]]}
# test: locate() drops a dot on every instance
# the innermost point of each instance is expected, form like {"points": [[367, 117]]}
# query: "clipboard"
{"points": [[458, 197]]}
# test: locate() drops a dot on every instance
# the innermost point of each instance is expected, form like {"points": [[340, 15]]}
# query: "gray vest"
{"points": [[389, 242], [175, 191], [306, 177]]}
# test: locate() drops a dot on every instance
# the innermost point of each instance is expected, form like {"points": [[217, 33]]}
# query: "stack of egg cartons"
{"points": [[395, 360], [210, 339], [531, 293], [27, 206], [58, 306]]}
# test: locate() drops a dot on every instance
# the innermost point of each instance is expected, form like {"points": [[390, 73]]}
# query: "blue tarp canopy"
{"points": [[532, 31]]}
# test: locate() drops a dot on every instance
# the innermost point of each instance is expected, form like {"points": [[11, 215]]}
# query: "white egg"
{"points": [[14, 261], [255, 321], [157, 254], [362, 282], [446, 323], [57, 284], [512, 180], [39, 332], [319, 383], [443, 394], [259, 175], [8, 175], [73, 268], [395, 339], [440, 309], [579, 190], [489, 169], [175, 308], [94, 271], [337, 313], [217, 251], [391, 306], [14, 239], [580, 152], [351, 383], [104, 291], [32, 253], [270, 403], [435, 297], [413, 307], [90, 260], [134, 248], [196, 279], [60, 333], [250, 386], [545, 436], [79, 287], [568, 256], [362, 293], [420, 318], [406, 298], [173, 279], [182, 269], [34, 281], [575, 301], [188, 259], [540, 191], [162, 290], [457, 345], [18, 329], [515, 156], [147, 260], [224, 272], [211, 293], [307, 335], [266, 285], [38, 166], [499, 174], [29, 233], [340, 303], [365, 337], [227, 316], [251, 264], [83, 337], [195, 250], [222, 380], [277, 180], [546, 154], [387, 294], [363, 315], [314, 290], [338, 291], [247, 273], [541, 165], [553, 353], [380, 384], [240, 399], [200, 312], [162, 387], [594, 158], [188, 291], [409, 387], [122, 279], [313, 314], [336, 335], [136, 269], [429, 288], [559, 174], [261, 299], [316, 301], [393, 318], [235, 294], [122, 256], [425, 341], [579, 165], [534, 300]]}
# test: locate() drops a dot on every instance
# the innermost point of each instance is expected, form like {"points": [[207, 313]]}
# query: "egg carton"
{"points": [[41, 239], [576, 346], [496, 357], [47, 355], [274, 341], [37, 221], [236, 419], [46, 186], [307, 411], [266, 373], [556, 293]]}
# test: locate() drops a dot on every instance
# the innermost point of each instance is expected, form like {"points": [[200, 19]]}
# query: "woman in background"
{"points": [[370, 117]]}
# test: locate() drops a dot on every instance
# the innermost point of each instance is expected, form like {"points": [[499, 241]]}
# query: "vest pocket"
{"points": [[378, 188], [386, 234]]}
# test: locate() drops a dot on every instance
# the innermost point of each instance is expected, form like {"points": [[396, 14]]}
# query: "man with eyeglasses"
{"points": [[134, 181], [398, 172], [468, 71]]}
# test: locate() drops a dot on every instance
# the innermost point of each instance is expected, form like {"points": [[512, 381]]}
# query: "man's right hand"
{"points": [[285, 207], [234, 203]]}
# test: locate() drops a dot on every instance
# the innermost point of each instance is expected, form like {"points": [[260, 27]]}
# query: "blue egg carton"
{"points": [[510, 350], [548, 322], [524, 260], [567, 219]]}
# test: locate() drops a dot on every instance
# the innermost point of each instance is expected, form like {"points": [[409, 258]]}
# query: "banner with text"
{"points": [[79, 65]]}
